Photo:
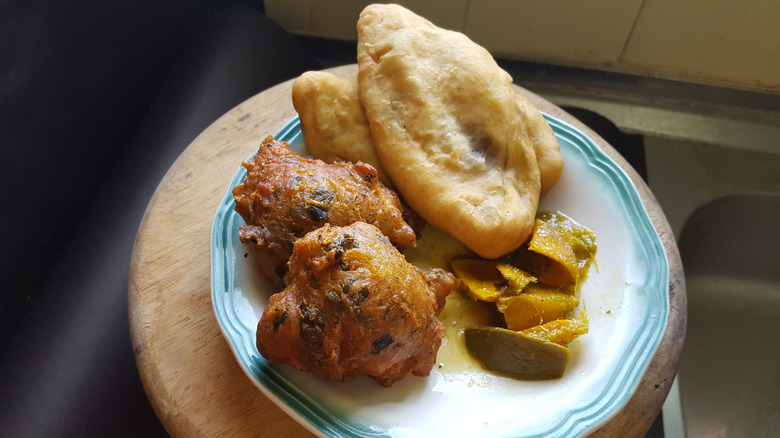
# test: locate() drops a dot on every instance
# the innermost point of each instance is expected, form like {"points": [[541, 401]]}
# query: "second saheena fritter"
{"points": [[354, 306], [284, 196]]}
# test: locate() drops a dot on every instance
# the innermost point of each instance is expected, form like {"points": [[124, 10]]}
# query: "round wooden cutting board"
{"points": [[189, 372]]}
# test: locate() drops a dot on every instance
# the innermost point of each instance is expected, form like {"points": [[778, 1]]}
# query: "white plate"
{"points": [[626, 299]]}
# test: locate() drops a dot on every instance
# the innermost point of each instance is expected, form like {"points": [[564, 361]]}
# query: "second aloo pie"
{"points": [[447, 129]]}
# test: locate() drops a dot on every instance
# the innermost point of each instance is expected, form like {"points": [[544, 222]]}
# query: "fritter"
{"points": [[285, 196], [354, 306]]}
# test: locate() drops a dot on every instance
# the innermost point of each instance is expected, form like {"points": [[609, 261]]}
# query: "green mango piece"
{"points": [[516, 354]]}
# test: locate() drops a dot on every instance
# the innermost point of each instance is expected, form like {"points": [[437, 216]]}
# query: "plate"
{"points": [[626, 296]]}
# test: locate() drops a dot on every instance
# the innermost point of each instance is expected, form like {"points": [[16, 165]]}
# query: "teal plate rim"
{"points": [[318, 418]]}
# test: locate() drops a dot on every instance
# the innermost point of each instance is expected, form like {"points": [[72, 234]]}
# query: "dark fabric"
{"points": [[102, 97], [76, 80]]}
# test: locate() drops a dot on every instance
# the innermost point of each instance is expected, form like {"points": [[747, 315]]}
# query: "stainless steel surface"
{"points": [[729, 377]]}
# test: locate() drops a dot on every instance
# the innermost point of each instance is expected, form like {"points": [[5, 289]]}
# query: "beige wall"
{"points": [[734, 43]]}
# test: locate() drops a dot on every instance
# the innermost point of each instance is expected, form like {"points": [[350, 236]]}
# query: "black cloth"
{"points": [[99, 98]]}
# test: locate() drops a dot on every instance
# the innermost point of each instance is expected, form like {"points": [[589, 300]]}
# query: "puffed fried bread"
{"points": [[448, 130], [546, 147], [335, 127], [333, 121]]}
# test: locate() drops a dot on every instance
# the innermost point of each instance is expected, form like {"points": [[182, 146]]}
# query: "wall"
{"points": [[721, 42]]}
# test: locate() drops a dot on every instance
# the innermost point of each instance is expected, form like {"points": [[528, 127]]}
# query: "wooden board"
{"points": [[190, 375]]}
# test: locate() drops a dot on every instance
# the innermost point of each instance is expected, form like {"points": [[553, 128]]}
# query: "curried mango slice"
{"points": [[536, 305], [515, 353], [517, 279], [581, 240], [551, 242], [481, 277], [560, 331], [488, 280], [559, 253]]}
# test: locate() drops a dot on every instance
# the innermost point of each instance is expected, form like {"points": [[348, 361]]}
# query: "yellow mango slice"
{"points": [[559, 253], [549, 241], [543, 269], [517, 279], [581, 239], [481, 277], [488, 280], [536, 305], [560, 331]]}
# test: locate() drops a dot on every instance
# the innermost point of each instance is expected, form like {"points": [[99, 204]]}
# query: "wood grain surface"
{"points": [[188, 370]]}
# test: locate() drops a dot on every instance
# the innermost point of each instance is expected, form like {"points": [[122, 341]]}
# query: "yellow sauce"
{"points": [[436, 249], [460, 312]]}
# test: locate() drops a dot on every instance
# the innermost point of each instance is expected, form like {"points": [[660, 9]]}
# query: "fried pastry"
{"points": [[285, 196], [546, 147], [354, 306], [448, 130], [335, 127], [333, 121]]}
